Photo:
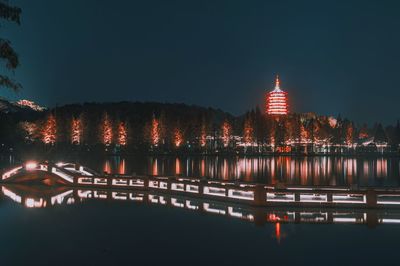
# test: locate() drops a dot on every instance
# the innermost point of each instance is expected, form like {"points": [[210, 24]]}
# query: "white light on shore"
{"points": [[31, 165]]}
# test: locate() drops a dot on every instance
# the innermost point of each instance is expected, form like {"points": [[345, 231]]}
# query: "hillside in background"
{"points": [[167, 127]]}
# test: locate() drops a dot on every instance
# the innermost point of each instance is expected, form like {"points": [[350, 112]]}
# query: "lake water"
{"points": [[320, 170], [130, 232], [162, 230]]}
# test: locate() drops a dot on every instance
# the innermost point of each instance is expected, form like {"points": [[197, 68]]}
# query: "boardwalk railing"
{"points": [[246, 193], [259, 216]]}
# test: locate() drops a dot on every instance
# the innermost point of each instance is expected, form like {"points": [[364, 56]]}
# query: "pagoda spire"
{"points": [[277, 82]]}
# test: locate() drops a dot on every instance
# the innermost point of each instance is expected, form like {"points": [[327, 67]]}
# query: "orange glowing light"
{"points": [[107, 130], [226, 133], [50, 130], [122, 134], [107, 167], [31, 165], [273, 217], [178, 137], [248, 131], [121, 168], [277, 102], [278, 231], [225, 174], [76, 131], [155, 131], [203, 136], [203, 167], [155, 167], [284, 149], [177, 166], [349, 135], [30, 129], [303, 134]]}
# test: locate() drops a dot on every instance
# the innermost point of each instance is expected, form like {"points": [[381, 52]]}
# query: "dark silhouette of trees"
{"points": [[7, 52], [165, 128], [380, 135]]}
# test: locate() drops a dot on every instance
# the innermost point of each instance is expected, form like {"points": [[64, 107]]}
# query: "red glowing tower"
{"points": [[277, 101]]}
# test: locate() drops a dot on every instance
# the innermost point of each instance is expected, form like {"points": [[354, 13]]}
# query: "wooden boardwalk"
{"points": [[252, 194]]}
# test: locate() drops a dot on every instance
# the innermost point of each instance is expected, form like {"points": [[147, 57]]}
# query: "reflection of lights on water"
{"points": [[11, 195], [155, 167], [177, 166], [107, 167], [304, 171], [32, 203], [59, 199], [381, 167], [278, 218], [203, 168], [225, 175], [278, 231], [121, 168]]}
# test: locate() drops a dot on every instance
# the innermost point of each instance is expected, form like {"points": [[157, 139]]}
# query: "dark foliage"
{"points": [[7, 53]]}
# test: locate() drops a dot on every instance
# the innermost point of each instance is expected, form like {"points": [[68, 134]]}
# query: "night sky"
{"points": [[332, 56]]}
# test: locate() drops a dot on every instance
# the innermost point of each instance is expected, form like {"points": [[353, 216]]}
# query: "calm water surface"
{"points": [[324, 170], [115, 232], [321, 170], [83, 231]]}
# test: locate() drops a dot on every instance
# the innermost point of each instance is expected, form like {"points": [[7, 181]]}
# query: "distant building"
{"points": [[277, 101]]}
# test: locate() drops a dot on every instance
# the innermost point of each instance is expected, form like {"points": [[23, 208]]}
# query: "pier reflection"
{"points": [[43, 197]]}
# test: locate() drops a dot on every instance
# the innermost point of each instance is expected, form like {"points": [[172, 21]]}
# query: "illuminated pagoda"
{"points": [[277, 101]]}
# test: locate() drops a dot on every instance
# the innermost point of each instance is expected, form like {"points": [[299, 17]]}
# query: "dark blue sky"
{"points": [[332, 56]]}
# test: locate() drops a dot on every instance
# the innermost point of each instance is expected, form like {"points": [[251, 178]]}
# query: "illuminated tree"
{"points": [[248, 131], [349, 134], [30, 131], [76, 131], [290, 130], [203, 136], [332, 122], [178, 137], [155, 131], [304, 136], [122, 134], [49, 131], [201, 133], [107, 132], [226, 133], [317, 130], [280, 133], [363, 134], [262, 128]]}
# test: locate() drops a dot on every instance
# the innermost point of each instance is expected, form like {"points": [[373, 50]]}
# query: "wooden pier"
{"points": [[252, 194]]}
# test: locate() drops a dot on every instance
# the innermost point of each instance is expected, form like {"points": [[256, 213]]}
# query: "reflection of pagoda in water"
{"points": [[277, 101]]}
